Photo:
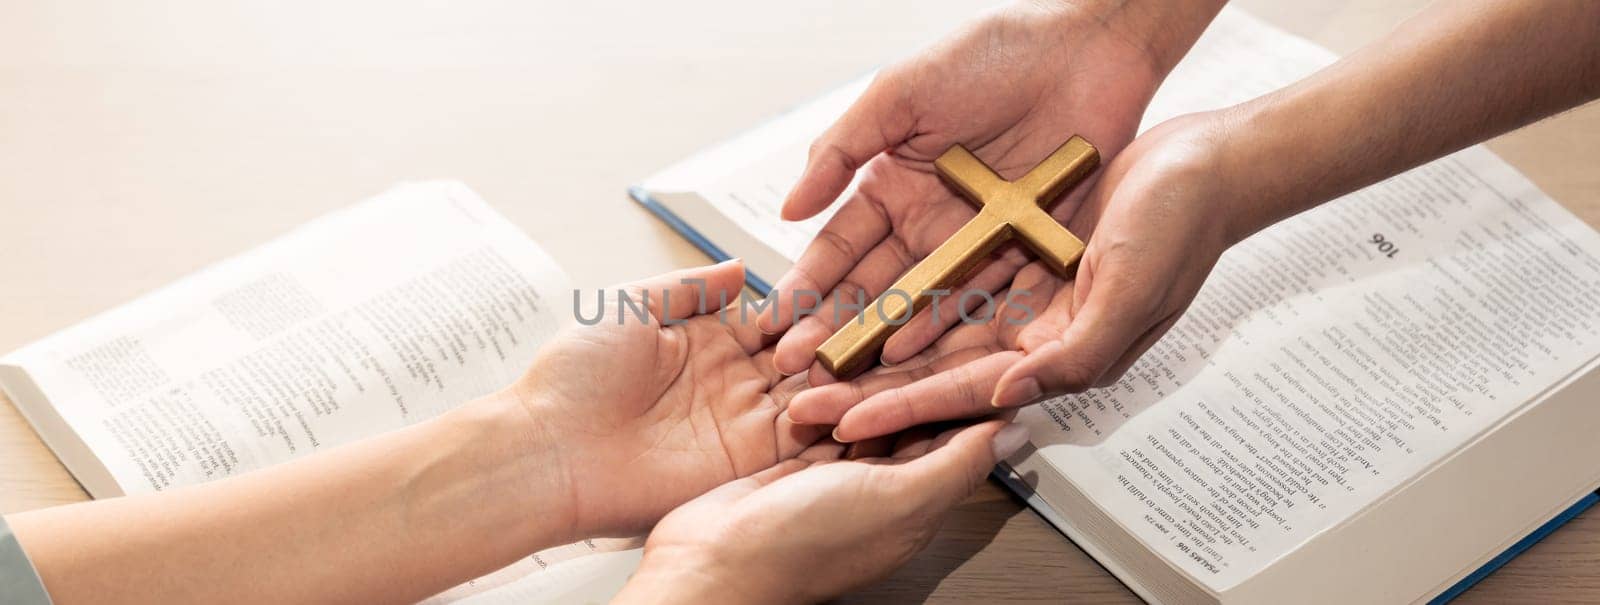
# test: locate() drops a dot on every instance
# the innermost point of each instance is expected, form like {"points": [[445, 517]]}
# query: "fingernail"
{"points": [[836, 435], [1008, 440], [1018, 393]]}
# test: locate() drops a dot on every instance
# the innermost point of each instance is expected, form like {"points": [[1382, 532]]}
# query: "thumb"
{"points": [[951, 472], [1100, 333], [875, 122], [688, 292]]}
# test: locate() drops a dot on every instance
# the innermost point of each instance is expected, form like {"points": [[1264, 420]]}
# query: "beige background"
{"points": [[140, 141]]}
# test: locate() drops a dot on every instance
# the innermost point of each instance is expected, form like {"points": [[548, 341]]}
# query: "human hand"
{"points": [[649, 415], [1162, 216], [810, 528], [1157, 231], [1010, 87]]}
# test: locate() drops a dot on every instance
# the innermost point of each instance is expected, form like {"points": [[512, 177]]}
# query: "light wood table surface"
{"points": [[141, 141]]}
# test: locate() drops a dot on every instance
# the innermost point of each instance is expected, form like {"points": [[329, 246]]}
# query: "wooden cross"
{"points": [[1005, 209]]}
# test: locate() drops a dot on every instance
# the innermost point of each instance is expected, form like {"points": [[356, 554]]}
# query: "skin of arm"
{"points": [[1457, 73], [394, 518], [1165, 209], [612, 427]]}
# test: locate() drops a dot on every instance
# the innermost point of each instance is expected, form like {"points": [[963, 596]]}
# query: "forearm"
{"points": [[393, 518], [1456, 74]]}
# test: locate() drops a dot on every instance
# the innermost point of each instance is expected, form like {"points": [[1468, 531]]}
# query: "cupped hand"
{"points": [[1011, 87], [652, 411], [1161, 216], [813, 528]]}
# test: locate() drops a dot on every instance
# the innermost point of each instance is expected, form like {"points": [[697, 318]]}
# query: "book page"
{"points": [[746, 178], [372, 318], [1335, 356], [378, 316], [591, 571]]}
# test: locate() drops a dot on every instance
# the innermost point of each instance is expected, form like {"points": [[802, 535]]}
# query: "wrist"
{"points": [[518, 475], [1162, 31], [1203, 160], [1269, 163]]}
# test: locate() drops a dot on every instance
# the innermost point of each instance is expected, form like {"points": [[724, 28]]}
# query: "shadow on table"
{"points": [[993, 549]]}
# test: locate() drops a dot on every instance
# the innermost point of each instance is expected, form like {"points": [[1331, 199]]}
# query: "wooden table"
{"points": [[140, 141]]}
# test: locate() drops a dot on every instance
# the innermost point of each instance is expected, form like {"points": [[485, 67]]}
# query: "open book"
{"points": [[369, 319], [1331, 421]]}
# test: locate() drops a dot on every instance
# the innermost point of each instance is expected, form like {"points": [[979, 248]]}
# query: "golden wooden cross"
{"points": [[1005, 209]]}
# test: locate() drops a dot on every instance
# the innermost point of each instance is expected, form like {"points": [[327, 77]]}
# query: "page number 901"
{"points": [[1385, 247]]}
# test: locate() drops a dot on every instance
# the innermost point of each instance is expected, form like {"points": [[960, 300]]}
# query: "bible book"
{"points": [[1378, 400]]}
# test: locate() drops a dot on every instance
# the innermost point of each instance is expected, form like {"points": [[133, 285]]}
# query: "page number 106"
{"points": [[1385, 247]]}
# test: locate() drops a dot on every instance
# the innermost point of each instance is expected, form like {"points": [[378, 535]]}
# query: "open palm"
{"points": [[1011, 88], [659, 409], [952, 378], [1156, 238]]}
